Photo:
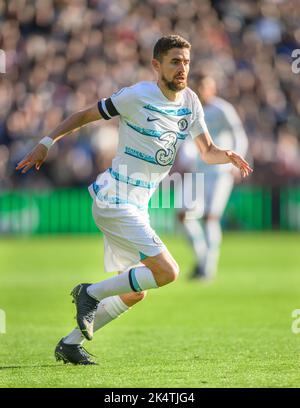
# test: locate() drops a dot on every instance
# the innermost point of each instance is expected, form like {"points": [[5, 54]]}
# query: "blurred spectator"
{"points": [[64, 55]]}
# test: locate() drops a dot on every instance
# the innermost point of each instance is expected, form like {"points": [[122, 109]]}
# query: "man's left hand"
{"points": [[239, 162]]}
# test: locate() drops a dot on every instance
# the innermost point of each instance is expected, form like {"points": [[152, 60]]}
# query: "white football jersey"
{"points": [[151, 129]]}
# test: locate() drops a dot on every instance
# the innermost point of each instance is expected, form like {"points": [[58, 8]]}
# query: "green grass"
{"points": [[235, 332]]}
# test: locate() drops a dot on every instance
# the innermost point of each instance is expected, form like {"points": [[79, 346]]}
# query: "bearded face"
{"points": [[174, 68], [177, 84]]}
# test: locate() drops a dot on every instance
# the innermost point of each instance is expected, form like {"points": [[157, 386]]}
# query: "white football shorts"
{"points": [[128, 236], [217, 190]]}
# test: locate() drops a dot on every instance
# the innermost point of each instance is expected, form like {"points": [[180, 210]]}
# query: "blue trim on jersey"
{"points": [[155, 133], [140, 155], [113, 200], [174, 112], [133, 182]]}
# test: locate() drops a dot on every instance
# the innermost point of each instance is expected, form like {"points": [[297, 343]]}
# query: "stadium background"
{"points": [[64, 55]]}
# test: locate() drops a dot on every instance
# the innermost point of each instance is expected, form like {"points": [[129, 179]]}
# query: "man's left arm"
{"points": [[212, 154], [209, 152]]}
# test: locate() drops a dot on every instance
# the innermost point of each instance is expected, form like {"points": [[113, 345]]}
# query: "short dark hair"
{"points": [[164, 44]]}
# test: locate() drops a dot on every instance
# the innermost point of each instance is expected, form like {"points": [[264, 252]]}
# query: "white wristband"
{"points": [[47, 142]]}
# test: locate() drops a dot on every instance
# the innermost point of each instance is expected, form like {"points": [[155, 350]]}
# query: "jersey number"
{"points": [[166, 155]]}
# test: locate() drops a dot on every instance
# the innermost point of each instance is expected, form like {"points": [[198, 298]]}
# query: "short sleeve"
{"points": [[198, 124], [117, 105]]}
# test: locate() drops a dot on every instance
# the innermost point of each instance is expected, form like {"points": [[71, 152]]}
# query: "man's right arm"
{"points": [[39, 153], [75, 121]]}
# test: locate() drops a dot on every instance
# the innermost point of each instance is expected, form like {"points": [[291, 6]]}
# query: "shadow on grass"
{"points": [[31, 366]]}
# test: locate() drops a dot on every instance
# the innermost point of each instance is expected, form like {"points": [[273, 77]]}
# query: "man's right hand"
{"points": [[35, 158]]}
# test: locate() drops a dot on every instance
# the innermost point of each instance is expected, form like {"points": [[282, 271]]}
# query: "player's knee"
{"points": [[140, 295], [137, 296], [175, 272], [170, 273], [130, 299]]}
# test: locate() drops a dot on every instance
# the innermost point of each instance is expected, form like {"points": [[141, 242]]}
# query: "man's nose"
{"points": [[182, 68]]}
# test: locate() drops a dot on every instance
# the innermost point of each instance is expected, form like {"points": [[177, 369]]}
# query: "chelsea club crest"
{"points": [[182, 124]]}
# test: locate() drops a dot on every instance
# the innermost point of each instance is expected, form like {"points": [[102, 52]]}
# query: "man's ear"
{"points": [[155, 64]]}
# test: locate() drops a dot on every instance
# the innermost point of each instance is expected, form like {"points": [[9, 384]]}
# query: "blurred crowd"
{"points": [[63, 55]]}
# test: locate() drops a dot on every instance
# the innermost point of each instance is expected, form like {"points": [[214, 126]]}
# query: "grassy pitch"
{"points": [[235, 332]]}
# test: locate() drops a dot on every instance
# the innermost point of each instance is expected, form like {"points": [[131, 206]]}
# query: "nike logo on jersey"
{"points": [[151, 119]]}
